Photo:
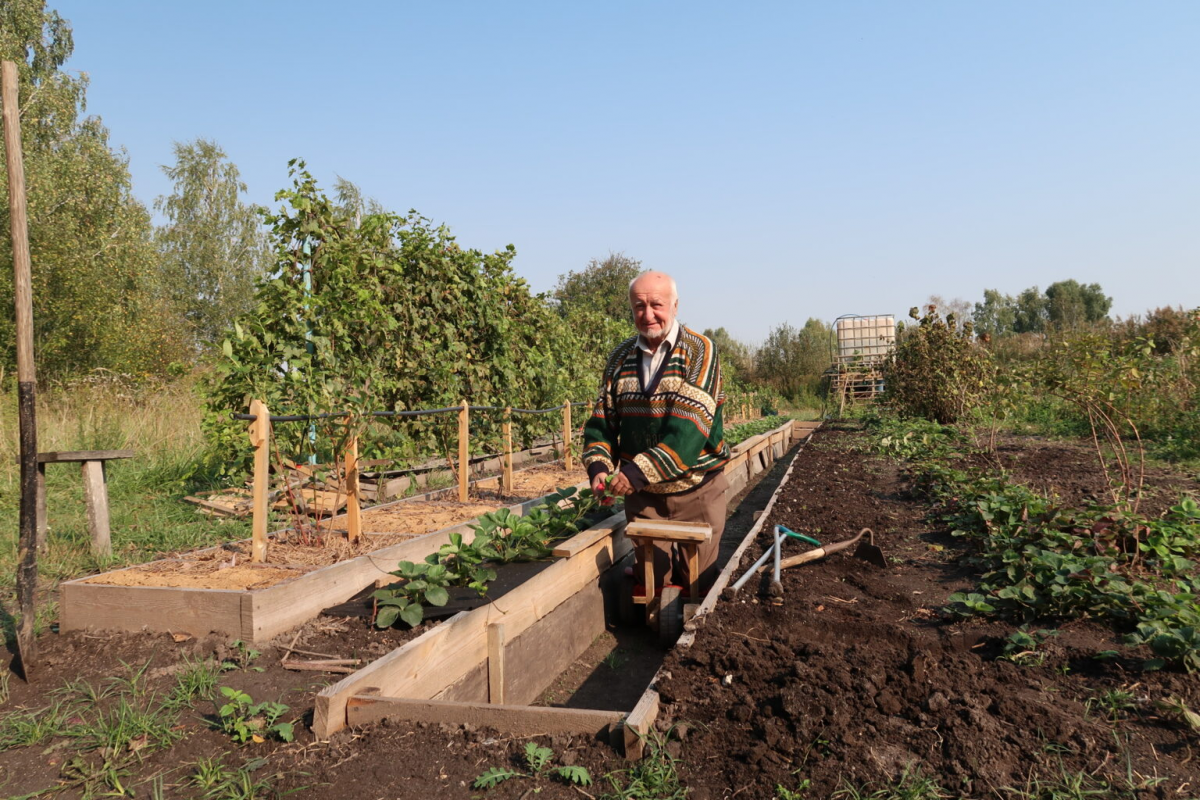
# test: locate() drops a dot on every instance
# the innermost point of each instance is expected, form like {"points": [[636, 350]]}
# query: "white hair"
{"points": [[670, 280]]}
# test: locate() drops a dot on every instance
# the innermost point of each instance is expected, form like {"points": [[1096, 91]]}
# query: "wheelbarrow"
{"points": [[666, 607]]}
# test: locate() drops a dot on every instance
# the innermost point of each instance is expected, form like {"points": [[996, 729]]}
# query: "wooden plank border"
{"points": [[512, 719], [255, 615], [442, 656]]}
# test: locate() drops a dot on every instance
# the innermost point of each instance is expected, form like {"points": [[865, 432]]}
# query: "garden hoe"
{"points": [[867, 551]]}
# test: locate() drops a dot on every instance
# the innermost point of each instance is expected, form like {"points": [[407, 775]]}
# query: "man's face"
{"points": [[654, 306]]}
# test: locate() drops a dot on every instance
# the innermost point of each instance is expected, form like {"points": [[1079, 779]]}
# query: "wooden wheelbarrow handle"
{"points": [[820, 552]]}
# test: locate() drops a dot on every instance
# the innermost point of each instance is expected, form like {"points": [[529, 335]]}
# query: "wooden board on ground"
{"points": [[514, 720]]}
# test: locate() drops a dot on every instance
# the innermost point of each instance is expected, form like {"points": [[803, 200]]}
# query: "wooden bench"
{"points": [[95, 492]]}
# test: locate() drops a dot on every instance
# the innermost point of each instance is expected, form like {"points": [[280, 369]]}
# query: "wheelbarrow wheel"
{"points": [[628, 612], [670, 615]]}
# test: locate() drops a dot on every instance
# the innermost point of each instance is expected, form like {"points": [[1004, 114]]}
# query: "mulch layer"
{"points": [[853, 680]]}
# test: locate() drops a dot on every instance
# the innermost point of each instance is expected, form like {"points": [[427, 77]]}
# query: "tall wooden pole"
{"points": [[464, 457], [353, 511], [507, 480], [567, 435], [260, 438], [26, 372]]}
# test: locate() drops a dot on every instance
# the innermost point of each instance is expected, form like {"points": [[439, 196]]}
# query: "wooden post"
{"points": [[260, 438], [567, 435], [96, 494], [495, 662], [464, 450], [27, 572], [507, 480], [353, 512]]}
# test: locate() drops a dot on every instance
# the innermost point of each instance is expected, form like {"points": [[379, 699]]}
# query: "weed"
{"points": [[127, 727], [1115, 703], [241, 657], [537, 761], [616, 659], [911, 785], [24, 728], [652, 778], [245, 720], [196, 679], [784, 793], [219, 782]]}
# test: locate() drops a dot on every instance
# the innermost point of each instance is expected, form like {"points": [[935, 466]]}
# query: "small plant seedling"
{"points": [[784, 793], [537, 761], [242, 657], [1113, 702], [616, 659], [1021, 647], [246, 721]]}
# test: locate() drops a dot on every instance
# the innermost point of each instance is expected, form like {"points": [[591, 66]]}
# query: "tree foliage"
{"points": [[792, 360], [398, 317], [212, 249], [1064, 305], [601, 287], [94, 271], [737, 357]]}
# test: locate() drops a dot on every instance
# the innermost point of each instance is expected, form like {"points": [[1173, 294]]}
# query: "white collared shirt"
{"points": [[652, 358]]}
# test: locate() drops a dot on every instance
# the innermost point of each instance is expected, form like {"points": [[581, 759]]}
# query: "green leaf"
{"points": [[493, 777], [387, 616], [576, 775], [437, 596], [412, 614]]}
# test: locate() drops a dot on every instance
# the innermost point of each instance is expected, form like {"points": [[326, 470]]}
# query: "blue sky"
{"points": [[782, 160]]}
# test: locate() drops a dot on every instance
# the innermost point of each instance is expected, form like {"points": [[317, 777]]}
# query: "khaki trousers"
{"points": [[703, 504]]}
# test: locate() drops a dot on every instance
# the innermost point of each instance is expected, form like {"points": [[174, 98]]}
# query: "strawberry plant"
{"points": [[424, 584], [500, 537]]}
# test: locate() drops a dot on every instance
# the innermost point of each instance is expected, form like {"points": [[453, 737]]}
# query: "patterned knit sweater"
{"points": [[669, 437]]}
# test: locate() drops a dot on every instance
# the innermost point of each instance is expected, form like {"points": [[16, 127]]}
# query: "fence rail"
{"points": [[261, 421], [418, 412]]}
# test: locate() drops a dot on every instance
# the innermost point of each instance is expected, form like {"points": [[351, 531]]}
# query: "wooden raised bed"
{"points": [[249, 614], [486, 666]]}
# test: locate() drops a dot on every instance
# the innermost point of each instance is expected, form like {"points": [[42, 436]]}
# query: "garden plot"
{"points": [[860, 676], [215, 590], [489, 665], [362, 764]]}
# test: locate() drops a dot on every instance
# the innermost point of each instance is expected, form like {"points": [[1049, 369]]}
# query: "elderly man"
{"points": [[657, 429]]}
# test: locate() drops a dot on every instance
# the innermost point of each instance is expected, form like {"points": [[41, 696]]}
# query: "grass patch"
{"points": [[161, 424]]}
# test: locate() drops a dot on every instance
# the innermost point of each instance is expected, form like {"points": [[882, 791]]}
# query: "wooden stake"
{"points": [[495, 662], [567, 435], [353, 512], [507, 480], [27, 572], [96, 494], [464, 458], [260, 439]]}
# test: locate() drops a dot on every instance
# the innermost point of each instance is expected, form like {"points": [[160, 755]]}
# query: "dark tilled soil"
{"points": [[852, 680], [856, 677]]}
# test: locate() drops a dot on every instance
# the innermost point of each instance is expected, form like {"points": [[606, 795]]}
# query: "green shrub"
{"points": [[936, 371]]}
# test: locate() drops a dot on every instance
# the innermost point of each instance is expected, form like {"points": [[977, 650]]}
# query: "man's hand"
{"points": [[599, 484], [620, 485]]}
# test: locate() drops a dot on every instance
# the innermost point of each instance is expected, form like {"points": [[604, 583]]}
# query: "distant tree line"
{"points": [[1064, 305]]}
